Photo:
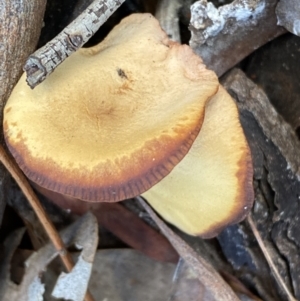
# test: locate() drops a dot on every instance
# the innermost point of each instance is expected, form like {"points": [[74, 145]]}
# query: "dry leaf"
{"points": [[84, 234], [120, 275], [187, 286]]}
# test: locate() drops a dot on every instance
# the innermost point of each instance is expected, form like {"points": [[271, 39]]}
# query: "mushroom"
{"points": [[113, 120], [211, 187]]}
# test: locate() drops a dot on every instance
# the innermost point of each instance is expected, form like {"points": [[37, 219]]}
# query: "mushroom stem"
{"points": [[19, 177], [43, 62]]}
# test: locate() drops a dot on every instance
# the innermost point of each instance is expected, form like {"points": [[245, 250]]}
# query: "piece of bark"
{"points": [[288, 15], [276, 160], [275, 68], [274, 127], [223, 37], [167, 15], [20, 27]]}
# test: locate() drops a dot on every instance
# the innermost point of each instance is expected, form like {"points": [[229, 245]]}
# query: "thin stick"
{"points": [[43, 62], [21, 180], [269, 259]]}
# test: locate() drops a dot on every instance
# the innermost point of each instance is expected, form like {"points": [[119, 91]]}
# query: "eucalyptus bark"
{"points": [[223, 37], [276, 160], [20, 27]]}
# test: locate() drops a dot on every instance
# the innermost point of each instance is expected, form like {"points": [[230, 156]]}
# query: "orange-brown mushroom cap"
{"points": [[211, 187], [112, 120]]}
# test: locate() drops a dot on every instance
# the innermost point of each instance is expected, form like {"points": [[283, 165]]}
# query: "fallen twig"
{"points": [[43, 62], [17, 174]]}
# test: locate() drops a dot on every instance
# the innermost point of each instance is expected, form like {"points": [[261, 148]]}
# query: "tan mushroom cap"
{"points": [[211, 187], [112, 120]]}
